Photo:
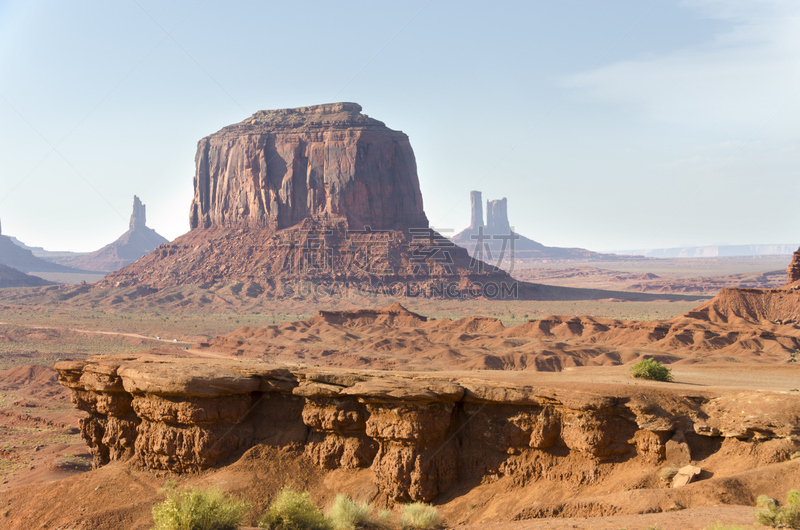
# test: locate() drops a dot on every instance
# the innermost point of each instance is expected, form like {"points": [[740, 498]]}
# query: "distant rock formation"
{"points": [[13, 278], [322, 195], [794, 267], [712, 251], [476, 209], [496, 242], [138, 241], [138, 216], [17, 257], [497, 216]]}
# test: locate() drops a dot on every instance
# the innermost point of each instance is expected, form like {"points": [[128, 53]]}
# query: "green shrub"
{"points": [[723, 526], [651, 369], [199, 509], [770, 514], [419, 516], [294, 510], [346, 514], [767, 514]]}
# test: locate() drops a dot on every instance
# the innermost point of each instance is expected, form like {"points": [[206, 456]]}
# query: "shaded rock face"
{"points": [[330, 161], [794, 268], [418, 434]]}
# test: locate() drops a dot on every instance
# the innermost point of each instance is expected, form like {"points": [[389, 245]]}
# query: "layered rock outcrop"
{"points": [[418, 433], [279, 167]]}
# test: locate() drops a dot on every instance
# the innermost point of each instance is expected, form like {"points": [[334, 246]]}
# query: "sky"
{"points": [[608, 124]]}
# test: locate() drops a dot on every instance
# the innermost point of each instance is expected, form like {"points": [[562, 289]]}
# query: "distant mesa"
{"points": [[138, 241], [22, 259], [13, 278], [712, 251], [323, 194], [496, 239]]}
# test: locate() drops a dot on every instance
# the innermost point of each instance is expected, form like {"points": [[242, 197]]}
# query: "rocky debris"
{"points": [[685, 475], [419, 434], [138, 241], [794, 268]]}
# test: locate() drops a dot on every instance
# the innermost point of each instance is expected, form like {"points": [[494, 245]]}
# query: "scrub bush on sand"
{"points": [[199, 509]]}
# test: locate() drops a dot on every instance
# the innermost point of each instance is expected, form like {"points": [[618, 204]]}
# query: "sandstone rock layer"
{"points": [[417, 433]]}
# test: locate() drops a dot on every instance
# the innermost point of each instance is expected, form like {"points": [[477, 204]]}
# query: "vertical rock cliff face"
{"points": [[279, 167]]}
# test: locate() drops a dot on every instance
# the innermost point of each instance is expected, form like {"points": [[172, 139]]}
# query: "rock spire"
{"points": [[497, 216], [476, 209], [139, 215]]}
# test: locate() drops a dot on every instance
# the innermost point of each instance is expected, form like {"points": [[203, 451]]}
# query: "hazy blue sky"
{"points": [[607, 124]]}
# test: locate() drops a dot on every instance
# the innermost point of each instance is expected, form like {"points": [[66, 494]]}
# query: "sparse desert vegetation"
{"points": [[199, 509], [651, 369], [419, 516], [770, 513], [294, 510]]}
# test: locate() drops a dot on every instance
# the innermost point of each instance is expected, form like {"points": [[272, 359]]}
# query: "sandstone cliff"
{"points": [[418, 433], [279, 167]]}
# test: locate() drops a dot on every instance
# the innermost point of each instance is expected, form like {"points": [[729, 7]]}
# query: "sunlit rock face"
{"points": [[279, 167]]}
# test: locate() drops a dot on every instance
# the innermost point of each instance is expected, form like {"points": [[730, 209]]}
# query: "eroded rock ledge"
{"points": [[419, 433]]}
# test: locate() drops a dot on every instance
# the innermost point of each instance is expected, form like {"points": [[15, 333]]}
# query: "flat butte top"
{"points": [[326, 116]]}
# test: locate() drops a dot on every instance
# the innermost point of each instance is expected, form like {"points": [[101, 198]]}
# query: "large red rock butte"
{"points": [[326, 162], [324, 194]]}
